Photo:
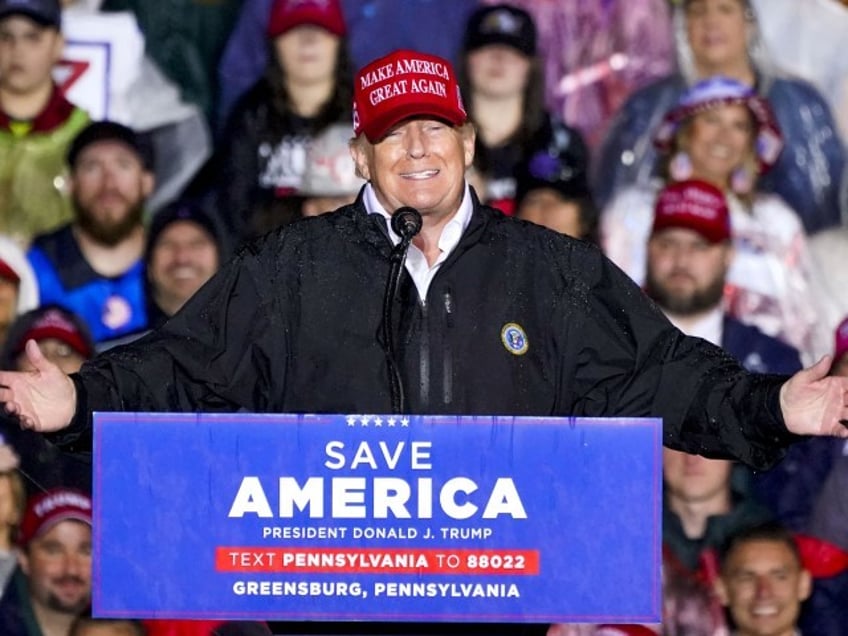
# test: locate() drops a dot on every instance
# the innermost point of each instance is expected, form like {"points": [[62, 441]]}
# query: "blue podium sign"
{"points": [[377, 518]]}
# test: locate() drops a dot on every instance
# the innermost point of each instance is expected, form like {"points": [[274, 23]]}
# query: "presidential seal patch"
{"points": [[514, 339]]}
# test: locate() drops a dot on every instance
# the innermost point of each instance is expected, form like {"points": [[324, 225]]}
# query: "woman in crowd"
{"points": [[307, 88], [501, 77], [721, 37], [723, 133]]}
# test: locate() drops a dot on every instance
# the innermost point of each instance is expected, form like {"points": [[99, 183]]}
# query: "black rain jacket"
{"points": [[291, 324]]}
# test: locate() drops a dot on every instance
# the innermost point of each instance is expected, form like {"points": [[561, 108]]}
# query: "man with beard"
{"points": [[689, 255], [52, 585], [93, 265]]}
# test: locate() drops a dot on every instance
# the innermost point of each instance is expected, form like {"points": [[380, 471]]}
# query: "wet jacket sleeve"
{"points": [[226, 350], [630, 361]]}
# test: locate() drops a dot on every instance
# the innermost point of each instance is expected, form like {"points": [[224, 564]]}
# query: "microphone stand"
{"points": [[406, 223]]}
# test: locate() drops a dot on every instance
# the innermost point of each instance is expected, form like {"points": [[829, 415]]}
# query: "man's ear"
{"points": [[359, 154], [58, 48], [469, 136], [805, 585], [148, 182]]}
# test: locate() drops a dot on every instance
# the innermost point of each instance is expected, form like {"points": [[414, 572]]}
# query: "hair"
{"points": [[137, 629], [681, 143], [770, 531], [533, 101], [337, 108]]}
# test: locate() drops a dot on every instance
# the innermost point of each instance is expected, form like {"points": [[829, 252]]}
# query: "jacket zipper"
{"points": [[447, 360], [424, 359]]}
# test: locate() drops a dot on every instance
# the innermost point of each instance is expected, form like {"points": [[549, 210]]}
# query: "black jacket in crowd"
{"points": [[291, 324], [260, 165]]}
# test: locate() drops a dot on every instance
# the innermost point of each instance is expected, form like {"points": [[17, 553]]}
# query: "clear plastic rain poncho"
{"points": [[809, 172]]}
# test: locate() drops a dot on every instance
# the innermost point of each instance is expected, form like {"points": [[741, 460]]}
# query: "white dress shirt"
{"points": [[416, 263]]}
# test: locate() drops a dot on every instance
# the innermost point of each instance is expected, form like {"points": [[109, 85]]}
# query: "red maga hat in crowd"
{"points": [[693, 205], [54, 324], [288, 14], [49, 508]]}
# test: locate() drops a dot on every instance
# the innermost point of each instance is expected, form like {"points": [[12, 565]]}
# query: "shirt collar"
{"points": [[452, 231], [55, 113], [709, 327]]}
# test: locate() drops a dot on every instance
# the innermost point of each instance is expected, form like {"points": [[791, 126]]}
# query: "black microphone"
{"points": [[406, 222]]}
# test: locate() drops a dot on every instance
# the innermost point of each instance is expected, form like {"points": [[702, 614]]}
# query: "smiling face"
{"points": [[762, 583], [184, 258], [420, 163], [720, 140], [58, 567]]}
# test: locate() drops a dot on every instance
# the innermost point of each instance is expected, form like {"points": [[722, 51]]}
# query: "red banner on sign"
{"points": [[377, 561]]}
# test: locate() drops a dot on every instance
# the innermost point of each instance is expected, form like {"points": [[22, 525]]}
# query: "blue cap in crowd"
{"points": [[46, 12]]}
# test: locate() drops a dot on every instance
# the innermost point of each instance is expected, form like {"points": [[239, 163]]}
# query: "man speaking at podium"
{"points": [[481, 314]]}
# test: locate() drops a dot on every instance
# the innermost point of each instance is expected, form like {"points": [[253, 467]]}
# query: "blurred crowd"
{"points": [[699, 143]]}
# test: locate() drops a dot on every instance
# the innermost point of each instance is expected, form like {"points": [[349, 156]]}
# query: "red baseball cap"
{"points": [[288, 14], [8, 272], [693, 205], [46, 509], [53, 324], [401, 85]]}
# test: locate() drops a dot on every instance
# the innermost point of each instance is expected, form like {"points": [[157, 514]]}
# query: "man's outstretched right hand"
{"points": [[43, 399]]}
